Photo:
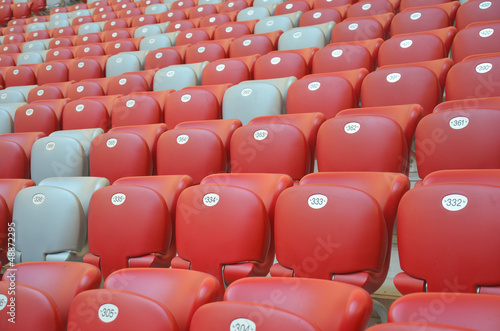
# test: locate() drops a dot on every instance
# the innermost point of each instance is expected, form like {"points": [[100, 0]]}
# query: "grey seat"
{"points": [[32, 57], [16, 94], [59, 16], [253, 13], [78, 13], [303, 37], [93, 27], [151, 29], [261, 3], [273, 23], [178, 76], [58, 24], [248, 100], [282, 84], [50, 224], [37, 26], [156, 8], [36, 45], [125, 62], [62, 154], [7, 113], [153, 42]]}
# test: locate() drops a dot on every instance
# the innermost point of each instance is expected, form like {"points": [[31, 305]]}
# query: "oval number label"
{"points": [[458, 123], [211, 199], [394, 77], [3, 301], [182, 139], [108, 313], [454, 202], [352, 127], [483, 68], [118, 198], [38, 199], [317, 201], [242, 324], [260, 134], [111, 142], [50, 145]]}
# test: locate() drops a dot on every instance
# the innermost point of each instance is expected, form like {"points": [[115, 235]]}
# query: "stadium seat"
{"points": [[87, 68], [348, 143], [415, 326], [110, 152], [198, 148], [273, 23], [177, 77], [50, 224], [345, 220], [7, 113], [17, 146], [141, 244], [53, 72], [392, 85], [478, 75], [229, 71], [234, 29], [170, 187], [477, 11], [477, 38], [308, 123], [44, 280], [88, 88], [40, 116], [441, 135], [377, 7], [419, 19], [138, 108], [208, 218], [173, 295], [49, 91], [472, 208], [278, 64], [358, 28], [254, 44], [348, 306], [408, 48], [129, 82], [210, 50], [253, 13], [88, 112], [340, 57], [480, 176], [164, 57], [15, 94], [319, 16], [62, 154]]}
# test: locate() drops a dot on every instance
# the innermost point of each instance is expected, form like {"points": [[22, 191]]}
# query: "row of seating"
{"points": [[166, 299]]}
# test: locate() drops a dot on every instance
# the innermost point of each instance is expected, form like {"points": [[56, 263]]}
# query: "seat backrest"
{"points": [[115, 309], [34, 309], [471, 208], [439, 136], [177, 77], [480, 176], [343, 306], [221, 314], [477, 11], [17, 146], [477, 38], [474, 77], [419, 19], [401, 85], [415, 326], [139, 245], [182, 292], [408, 48], [481, 310], [50, 222], [357, 143], [304, 37], [223, 215], [47, 277], [86, 113]]}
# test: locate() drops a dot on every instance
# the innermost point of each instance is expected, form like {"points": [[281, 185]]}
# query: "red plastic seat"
{"points": [[138, 108], [361, 28], [210, 50], [141, 20], [471, 208], [48, 92], [53, 72], [164, 57], [358, 143], [420, 19], [21, 75], [477, 11], [174, 295], [40, 116], [16, 148], [139, 81], [87, 88], [230, 229], [194, 35], [87, 68], [233, 5], [139, 245], [217, 19], [254, 44], [279, 64], [173, 15], [122, 45], [115, 147], [201, 11], [377, 7], [477, 38], [199, 148], [474, 77], [229, 71], [90, 50], [415, 326], [441, 135], [400, 85], [481, 310], [61, 53], [234, 29], [340, 57], [182, 25], [88, 112], [292, 7], [480, 176], [194, 104], [328, 305], [183, 4], [320, 16], [408, 48], [60, 281]]}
